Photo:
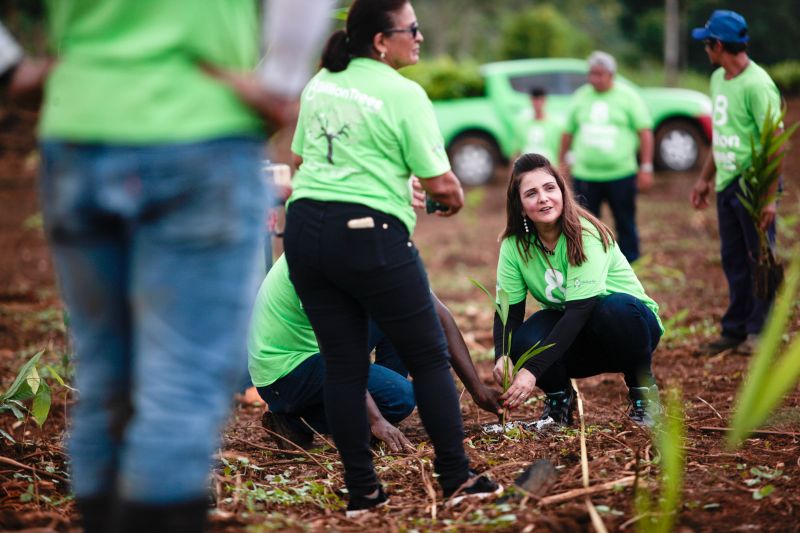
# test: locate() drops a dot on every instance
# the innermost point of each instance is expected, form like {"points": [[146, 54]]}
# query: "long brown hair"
{"points": [[569, 221]]}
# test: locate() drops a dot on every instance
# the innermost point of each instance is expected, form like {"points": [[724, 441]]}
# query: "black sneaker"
{"points": [[359, 505], [282, 430], [719, 345], [477, 488], [645, 405], [558, 411]]}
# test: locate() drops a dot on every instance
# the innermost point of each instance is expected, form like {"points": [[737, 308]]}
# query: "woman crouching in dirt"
{"points": [[595, 312]]}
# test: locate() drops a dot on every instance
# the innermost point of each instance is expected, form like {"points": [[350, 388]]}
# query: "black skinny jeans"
{"points": [[620, 336], [344, 275]]}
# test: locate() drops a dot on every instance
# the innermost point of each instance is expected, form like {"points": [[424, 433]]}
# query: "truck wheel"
{"points": [[474, 159], [678, 145]]}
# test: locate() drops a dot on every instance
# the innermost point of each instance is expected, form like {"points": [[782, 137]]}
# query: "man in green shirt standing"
{"points": [[742, 93], [606, 122]]}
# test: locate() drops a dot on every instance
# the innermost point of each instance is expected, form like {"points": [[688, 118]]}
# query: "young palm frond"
{"points": [[757, 183]]}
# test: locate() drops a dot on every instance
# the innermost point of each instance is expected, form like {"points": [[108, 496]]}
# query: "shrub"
{"points": [[786, 76], [443, 78], [541, 32]]}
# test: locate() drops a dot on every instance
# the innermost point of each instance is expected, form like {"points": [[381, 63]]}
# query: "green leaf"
{"points": [[502, 300], [23, 392], [763, 492], [58, 378], [55, 375], [41, 404], [765, 384], [7, 435], [10, 405], [530, 352], [494, 301], [747, 205], [22, 375], [33, 379]]}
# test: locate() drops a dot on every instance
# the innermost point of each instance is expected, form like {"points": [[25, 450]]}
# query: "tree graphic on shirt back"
{"points": [[329, 134]]}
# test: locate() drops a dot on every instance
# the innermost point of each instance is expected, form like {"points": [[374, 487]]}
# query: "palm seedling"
{"points": [[757, 182], [28, 385], [501, 306]]}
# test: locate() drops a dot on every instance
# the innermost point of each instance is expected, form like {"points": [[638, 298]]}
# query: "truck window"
{"points": [[553, 82]]}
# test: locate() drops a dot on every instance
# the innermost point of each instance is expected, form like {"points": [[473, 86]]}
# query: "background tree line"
{"points": [[460, 34]]}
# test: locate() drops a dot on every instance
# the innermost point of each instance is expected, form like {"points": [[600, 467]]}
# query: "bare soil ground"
{"points": [[254, 485]]}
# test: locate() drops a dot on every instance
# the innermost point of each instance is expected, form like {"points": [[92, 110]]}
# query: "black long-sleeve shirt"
{"points": [[563, 334]]}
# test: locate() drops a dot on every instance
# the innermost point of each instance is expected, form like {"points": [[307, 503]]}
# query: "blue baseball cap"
{"points": [[726, 26]]}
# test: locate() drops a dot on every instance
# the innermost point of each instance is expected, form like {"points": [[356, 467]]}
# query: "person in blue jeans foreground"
{"points": [[153, 201], [286, 366], [594, 311]]}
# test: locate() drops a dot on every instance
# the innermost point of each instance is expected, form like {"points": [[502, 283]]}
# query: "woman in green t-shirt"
{"points": [[595, 313], [362, 130]]}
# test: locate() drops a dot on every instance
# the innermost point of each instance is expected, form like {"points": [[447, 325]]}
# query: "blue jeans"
{"points": [[620, 336], [739, 248], [299, 393], [621, 197], [157, 250]]}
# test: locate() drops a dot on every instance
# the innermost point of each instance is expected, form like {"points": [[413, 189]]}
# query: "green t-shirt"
{"points": [[129, 71], [361, 133], [280, 336], [606, 131], [740, 106], [557, 282], [542, 137]]}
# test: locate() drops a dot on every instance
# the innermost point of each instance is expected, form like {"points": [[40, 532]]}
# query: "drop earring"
{"points": [[383, 55], [525, 223]]}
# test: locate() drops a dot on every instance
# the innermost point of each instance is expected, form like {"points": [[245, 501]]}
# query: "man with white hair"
{"points": [[606, 122]]}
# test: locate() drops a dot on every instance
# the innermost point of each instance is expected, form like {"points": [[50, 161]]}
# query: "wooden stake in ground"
{"points": [[597, 522]]}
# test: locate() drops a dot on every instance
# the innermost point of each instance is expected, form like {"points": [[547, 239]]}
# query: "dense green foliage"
{"points": [[483, 31], [786, 75], [443, 78], [554, 35]]}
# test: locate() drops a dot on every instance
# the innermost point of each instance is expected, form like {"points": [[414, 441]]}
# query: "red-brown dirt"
{"points": [[255, 485]]}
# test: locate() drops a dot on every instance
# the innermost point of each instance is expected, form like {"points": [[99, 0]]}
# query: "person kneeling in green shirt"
{"points": [[594, 311], [287, 369]]}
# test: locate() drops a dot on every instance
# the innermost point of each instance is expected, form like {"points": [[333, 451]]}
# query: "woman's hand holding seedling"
{"points": [[520, 389]]}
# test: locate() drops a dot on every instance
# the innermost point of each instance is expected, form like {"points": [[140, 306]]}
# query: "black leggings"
{"points": [[343, 275]]}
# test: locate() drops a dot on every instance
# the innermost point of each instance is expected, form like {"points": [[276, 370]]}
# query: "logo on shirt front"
{"points": [[554, 280], [599, 113], [598, 132]]}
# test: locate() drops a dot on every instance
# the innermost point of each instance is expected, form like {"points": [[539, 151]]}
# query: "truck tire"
{"points": [[474, 158], [678, 145]]}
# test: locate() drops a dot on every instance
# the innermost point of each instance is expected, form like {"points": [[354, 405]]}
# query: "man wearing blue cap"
{"points": [[742, 93]]}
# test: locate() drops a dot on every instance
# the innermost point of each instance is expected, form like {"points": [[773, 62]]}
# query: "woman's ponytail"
{"points": [[335, 55]]}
